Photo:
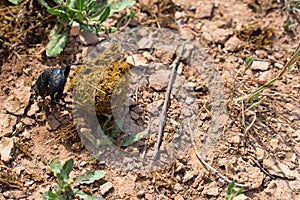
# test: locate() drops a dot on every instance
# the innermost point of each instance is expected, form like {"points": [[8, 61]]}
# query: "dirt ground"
{"points": [[256, 147]]}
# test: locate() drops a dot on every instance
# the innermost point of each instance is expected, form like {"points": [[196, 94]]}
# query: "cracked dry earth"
{"points": [[257, 147]]}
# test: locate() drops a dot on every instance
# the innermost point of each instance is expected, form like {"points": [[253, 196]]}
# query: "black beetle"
{"points": [[52, 82]]}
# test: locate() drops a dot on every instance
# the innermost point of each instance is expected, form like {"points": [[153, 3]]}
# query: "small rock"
{"points": [[221, 35], [13, 105], [52, 123], [83, 163], [159, 81], [190, 86], [233, 44], [86, 50], [278, 169], [75, 29], [211, 190], [134, 115], [26, 134], [261, 54], [236, 139], [189, 100], [259, 154], [179, 15], [145, 43], [188, 176], [89, 38], [28, 121], [260, 65], [14, 194], [140, 194], [204, 10], [278, 65], [241, 197], [105, 188], [33, 109], [136, 60], [6, 146], [178, 197], [178, 187], [18, 170], [147, 55], [6, 123], [213, 34]]}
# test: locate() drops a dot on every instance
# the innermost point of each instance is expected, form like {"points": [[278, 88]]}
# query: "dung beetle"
{"points": [[52, 82]]}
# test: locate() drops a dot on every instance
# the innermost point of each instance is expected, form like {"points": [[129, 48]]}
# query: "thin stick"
{"points": [[163, 115], [210, 167]]}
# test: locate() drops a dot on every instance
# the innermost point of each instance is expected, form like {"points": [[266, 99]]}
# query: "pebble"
{"points": [[105, 188], [278, 169], [211, 190], [6, 123], [260, 65], [75, 29], [52, 123], [140, 194], [189, 100], [89, 38], [6, 146], [83, 163], [188, 176], [190, 86], [241, 197], [204, 10], [233, 44], [178, 197]]}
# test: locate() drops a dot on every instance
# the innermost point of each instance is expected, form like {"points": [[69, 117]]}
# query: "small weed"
{"points": [[287, 26], [231, 193], [65, 189], [288, 67], [249, 60], [15, 1], [90, 14], [292, 5]]}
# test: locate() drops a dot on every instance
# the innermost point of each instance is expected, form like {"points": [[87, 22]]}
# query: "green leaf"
{"points": [[134, 138], [66, 169], [120, 5], [230, 188], [57, 43], [89, 177], [44, 3], [87, 28], [248, 60], [15, 1], [79, 4], [240, 191], [55, 167], [54, 11], [71, 3], [49, 195], [102, 15], [85, 196], [89, 6]]}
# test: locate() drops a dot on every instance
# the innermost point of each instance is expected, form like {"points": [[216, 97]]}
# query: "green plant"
{"points": [[249, 60], [231, 193], [65, 189], [15, 1], [90, 14], [287, 25], [292, 5], [287, 67]]}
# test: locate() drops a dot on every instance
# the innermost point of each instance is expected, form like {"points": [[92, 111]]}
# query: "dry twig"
{"points": [[166, 102]]}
